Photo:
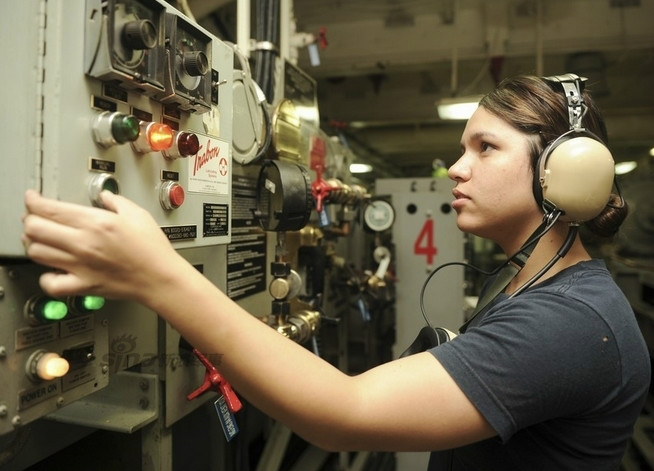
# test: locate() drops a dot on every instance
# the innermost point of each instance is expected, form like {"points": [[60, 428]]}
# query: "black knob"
{"points": [[139, 34], [195, 63]]}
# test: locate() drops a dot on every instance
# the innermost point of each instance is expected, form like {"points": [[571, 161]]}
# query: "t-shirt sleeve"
{"points": [[532, 358]]}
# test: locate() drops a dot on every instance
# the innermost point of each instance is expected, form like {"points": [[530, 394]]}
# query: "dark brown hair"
{"points": [[538, 108]]}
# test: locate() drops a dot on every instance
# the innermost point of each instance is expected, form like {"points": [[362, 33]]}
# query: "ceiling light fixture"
{"points": [[360, 168], [625, 167], [457, 108]]}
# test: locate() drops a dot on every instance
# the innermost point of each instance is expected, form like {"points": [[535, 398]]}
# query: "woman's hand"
{"points": [[117, 252]]}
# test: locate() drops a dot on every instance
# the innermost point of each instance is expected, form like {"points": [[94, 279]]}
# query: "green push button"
{"points": [[89, 303], [50, 310]]}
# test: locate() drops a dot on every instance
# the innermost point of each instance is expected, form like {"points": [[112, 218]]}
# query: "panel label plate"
{"points": [[30, 336], [31, 397], [180, 232], [209, 169]]}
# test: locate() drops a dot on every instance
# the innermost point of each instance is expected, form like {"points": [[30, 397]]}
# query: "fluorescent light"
{"points": [[360, 168], [625, 167], [458, 108]]}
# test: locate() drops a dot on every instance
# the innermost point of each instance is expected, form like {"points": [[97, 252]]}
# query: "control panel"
{"points": [[52, 351], [127, 96]]}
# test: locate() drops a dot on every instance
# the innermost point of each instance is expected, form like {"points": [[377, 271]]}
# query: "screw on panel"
{"points": [[144, 385], [3, 351], [12, 274], [60, 401], [105, 369], [15, 420], [3, 410], [144, 403], [2, 292]]}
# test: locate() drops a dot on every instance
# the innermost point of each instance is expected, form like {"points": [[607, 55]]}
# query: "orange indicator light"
{"points": [[160, 136]]}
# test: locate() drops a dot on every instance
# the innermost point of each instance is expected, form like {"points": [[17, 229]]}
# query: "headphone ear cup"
{"points": [[575, 174]]}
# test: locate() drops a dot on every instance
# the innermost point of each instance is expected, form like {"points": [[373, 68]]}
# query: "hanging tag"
{"points": [[323, 217], [363, 309], [226, 417], [314, 55]]}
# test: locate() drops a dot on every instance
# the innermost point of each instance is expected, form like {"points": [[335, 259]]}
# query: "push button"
{"points": [[171, 195], [100, 182], [44, 309]]}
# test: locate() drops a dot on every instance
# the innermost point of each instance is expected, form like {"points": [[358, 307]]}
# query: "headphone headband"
{"points": [[573, 86]]}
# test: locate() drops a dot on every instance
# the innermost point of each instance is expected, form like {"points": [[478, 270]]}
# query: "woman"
{"points": [[551, 379]]}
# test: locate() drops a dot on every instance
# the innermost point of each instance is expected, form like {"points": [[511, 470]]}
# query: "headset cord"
{"points": [[567, 243], [518, 258]]}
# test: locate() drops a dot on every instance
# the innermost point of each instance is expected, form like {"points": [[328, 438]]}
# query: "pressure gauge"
{"points": [[284, 198], [379, 215]]}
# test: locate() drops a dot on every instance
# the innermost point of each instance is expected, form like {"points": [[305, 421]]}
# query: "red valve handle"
{"points": [[214, 380], [320, 189], [322, 37]]}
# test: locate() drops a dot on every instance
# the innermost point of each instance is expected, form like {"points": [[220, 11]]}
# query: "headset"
{"points": [[575, 171]]}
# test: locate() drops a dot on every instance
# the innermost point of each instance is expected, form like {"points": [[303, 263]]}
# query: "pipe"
{"points": [[243, 14]]}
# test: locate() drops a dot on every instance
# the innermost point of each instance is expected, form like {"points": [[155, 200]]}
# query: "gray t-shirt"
{"points": [[561, 372]]}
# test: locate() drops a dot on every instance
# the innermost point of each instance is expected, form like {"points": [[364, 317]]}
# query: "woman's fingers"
{"points": [[38, 229], [68, 214], [64, 284], [114, 251]]}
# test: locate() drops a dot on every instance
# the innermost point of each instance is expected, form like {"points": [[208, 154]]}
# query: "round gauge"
{"points": [[284, 199], [379, 215]]}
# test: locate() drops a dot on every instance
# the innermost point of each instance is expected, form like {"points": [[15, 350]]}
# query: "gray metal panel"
{"points": [[416, 201], [49, 72]]}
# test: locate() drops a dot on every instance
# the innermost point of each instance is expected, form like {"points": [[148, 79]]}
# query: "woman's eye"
{"points": [[485, 146]]}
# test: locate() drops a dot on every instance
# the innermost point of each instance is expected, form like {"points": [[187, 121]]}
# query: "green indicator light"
{"points": [[53, 310], [125, 128], [92, 303]]}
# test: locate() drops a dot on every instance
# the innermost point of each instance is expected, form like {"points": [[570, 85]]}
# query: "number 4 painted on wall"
{"points": [[424, 243]]}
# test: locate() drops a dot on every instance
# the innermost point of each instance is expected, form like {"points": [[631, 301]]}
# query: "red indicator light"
{"points": [[160, 136], [188, 144], [185, 145]]}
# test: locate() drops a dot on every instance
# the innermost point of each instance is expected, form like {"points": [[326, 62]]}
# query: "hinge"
{"points": [[40, 96]]}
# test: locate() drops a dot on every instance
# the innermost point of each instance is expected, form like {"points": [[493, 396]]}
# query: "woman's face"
{"points": [[493, 192]]}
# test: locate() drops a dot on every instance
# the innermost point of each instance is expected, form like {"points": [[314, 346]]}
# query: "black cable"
{"points": [[548, 222], [567, 243]]}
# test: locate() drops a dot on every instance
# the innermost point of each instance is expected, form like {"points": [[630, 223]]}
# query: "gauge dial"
{"points": [[379, 215]]}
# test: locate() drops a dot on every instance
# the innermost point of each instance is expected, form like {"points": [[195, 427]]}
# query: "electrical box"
{"points": [[128, 96], [121, 95]]}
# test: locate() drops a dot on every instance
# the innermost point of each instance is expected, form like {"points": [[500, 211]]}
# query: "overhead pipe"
{"points": [[243, 14], [539, 38]]}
